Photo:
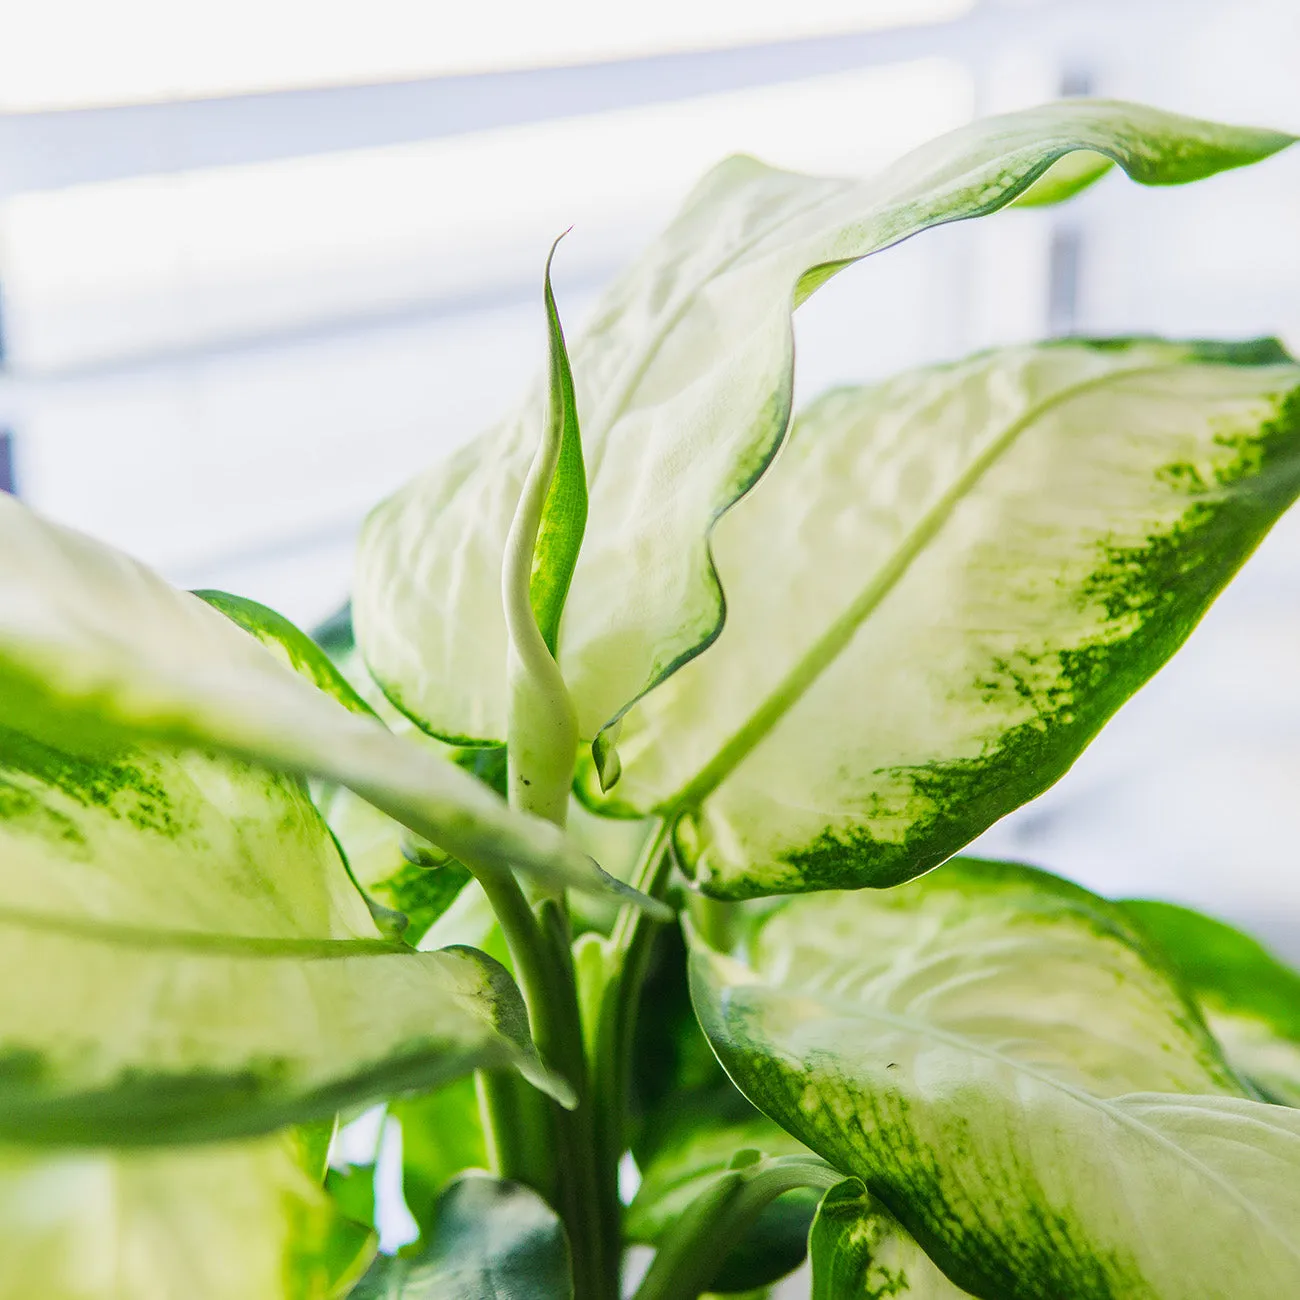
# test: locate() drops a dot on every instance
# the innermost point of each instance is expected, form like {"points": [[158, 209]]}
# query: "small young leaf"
{"points": [[214, 1222], [942, 591], [564, 515], [684, 382], [490, 1238], [1250, 999], [1009, 1067], [541, 550], [860, 1251]]}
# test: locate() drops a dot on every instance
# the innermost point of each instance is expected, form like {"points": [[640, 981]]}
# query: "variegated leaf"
{"points": [[683, 385], [214, 1222], [944, 588], [194, 961], [97, 651], [1010, 1069]]}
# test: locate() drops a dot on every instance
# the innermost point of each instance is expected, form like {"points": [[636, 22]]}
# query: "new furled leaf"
{"points": [[490, 1238], [955, 577], [683, 381], [196, 963], [540, 552], [214, 1222], [1250, 999], [564, 514], [97, 651], [1010, 1069]]}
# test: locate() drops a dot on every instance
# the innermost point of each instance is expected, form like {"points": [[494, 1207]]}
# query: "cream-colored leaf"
{"points": [[96, 650], [1007, 1065], [683, 384], [193, 960], [943, 588]]}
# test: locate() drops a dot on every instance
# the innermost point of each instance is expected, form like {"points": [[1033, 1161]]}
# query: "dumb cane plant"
{"points": [[246, 888]]}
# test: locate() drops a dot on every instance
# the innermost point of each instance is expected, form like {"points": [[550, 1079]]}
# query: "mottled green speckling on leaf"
{"points": [[940, 635], [196, 964], [1017, 1074]]}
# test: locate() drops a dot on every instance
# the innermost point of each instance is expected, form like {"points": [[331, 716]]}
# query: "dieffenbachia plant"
{"points": [[657, 645]]}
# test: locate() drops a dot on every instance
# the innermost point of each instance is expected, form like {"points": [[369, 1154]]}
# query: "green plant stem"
{"points": [[571, 1167], [630, 945], [562, 1166], [516, 1117], [693, 1249], [516, 1123], [632, 940], [595, 1236]]}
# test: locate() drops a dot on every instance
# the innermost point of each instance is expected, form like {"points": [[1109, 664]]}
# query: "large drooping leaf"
{"points": [[188, 958], [1250, 999], [941, 591], [96, 651], [214, 1222], [683, 385], [490, 1239], [861, 1252], [1009, 1068]]}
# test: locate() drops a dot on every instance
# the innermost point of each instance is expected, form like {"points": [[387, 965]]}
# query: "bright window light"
{"points": [[156, 263], [78, 53]]}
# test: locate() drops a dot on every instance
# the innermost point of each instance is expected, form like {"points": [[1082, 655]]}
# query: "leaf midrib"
{"points": [[196, 941], [827, 648], [927, 1030]]}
